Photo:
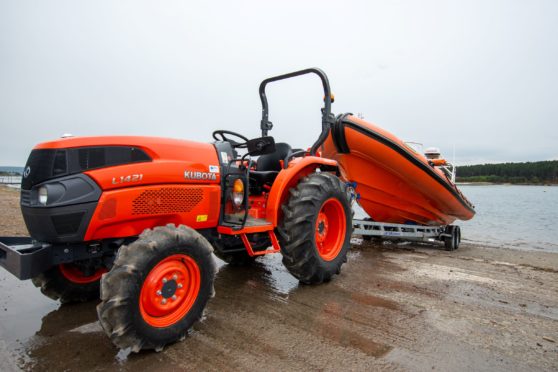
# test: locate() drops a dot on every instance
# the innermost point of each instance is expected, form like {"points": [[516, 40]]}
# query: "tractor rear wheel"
{"points": [[316, 228], [72, 282], [157, 289]]}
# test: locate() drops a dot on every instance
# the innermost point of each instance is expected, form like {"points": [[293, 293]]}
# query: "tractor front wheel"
{"points": [[72, 282], [316, 228], [157, 289]]}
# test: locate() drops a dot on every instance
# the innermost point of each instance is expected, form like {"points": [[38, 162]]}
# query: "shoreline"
{"points": [[16, 220], [503, 184]]}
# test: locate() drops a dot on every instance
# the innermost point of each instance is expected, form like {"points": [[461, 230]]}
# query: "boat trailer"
{"points": [[449, 235]]}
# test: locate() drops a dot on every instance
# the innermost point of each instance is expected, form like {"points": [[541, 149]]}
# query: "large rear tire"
{"points": [[316, 228], [73, 282], [157, 289]]}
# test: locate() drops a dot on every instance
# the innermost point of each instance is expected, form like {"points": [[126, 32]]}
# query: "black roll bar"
{"points": [[327, 117]]}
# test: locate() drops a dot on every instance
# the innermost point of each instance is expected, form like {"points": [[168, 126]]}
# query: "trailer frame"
{"points": [[417, 233]]}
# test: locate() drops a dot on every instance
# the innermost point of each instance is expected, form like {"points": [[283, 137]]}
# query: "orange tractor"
{"points": [[136, 220]]}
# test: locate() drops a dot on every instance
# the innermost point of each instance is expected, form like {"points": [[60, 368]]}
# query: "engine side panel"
{"points": [[128, 211], [158, 172]]}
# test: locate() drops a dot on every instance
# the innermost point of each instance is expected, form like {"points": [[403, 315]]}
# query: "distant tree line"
{"points": [[539, 172]]}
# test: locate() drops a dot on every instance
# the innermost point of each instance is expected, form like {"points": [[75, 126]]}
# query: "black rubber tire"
{"points": [[451, 243], [296, 230], [56, 286], [119, 312]]}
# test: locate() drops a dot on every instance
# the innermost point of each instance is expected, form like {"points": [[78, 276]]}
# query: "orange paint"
{"points": [[392, 187], [288, 178], [75, 275], [159, 311], [127, 212]]}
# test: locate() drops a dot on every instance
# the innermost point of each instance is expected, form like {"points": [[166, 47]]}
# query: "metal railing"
{"points": [[10, 180]]}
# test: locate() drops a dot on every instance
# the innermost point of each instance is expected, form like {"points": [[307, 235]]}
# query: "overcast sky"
{"points": [[478, 75]]}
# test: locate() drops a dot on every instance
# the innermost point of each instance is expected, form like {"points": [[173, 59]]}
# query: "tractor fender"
{"points": [[289, 178]]}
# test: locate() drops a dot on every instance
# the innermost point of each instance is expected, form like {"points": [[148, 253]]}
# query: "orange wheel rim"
{"points": [[75, 275], [170, 290], [331, 226]]}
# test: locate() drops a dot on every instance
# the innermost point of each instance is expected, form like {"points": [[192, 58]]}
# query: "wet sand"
{"points": [[394, 307]]}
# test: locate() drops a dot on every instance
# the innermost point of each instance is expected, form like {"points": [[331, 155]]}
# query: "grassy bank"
{"points": [[527, 173]]}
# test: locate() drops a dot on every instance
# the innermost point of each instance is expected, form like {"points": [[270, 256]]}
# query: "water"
{"points": [[520, 217], [509, 216]]}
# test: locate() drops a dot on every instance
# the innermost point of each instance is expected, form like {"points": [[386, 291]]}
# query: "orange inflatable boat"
{"points": [[396, 184]]}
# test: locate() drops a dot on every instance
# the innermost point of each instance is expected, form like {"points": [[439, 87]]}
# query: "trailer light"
{"points": [[238, 192], [43, 195]]}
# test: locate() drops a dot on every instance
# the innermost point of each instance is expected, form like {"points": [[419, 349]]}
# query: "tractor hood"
{"points": [[123, 161]]}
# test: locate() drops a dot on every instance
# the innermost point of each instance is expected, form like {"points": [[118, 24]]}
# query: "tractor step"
{"points": [[275, 248], [252, 225]]}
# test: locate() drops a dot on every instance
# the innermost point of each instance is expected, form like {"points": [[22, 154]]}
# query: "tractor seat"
{"points": [[263, 177], [268, 167], [271, 162]]}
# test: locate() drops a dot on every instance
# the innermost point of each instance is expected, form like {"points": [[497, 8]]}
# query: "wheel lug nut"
{"points": [[173, 297], [158, 293], [179, 285], [165, 280], [175, 276], [164, 301]]}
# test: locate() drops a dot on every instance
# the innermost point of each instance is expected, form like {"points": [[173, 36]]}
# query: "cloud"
{"points": [[477, 75]]}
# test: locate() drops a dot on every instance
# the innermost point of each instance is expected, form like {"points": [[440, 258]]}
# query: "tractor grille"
{"points": [[67, 223], [25, 197], [167, 200], [44, 164]]}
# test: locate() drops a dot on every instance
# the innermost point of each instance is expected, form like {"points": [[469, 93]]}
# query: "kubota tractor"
{"points": [[136, 220]]}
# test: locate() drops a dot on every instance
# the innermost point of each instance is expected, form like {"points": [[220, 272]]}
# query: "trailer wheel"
{"points": [[316, 228], [451, 242], [157, 289], [73, 282]]}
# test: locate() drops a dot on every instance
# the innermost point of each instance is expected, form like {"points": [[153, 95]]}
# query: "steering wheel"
{"points": [[220, 135]]}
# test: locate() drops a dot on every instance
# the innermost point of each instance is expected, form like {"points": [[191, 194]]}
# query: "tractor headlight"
{"points": [[238, 192], [43, 195]]}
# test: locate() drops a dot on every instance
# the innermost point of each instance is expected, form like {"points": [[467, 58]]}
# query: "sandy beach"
{"points": [[394, 307]]}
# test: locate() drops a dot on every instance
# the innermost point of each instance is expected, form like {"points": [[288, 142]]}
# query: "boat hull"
{"points": [[395, 183]]}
